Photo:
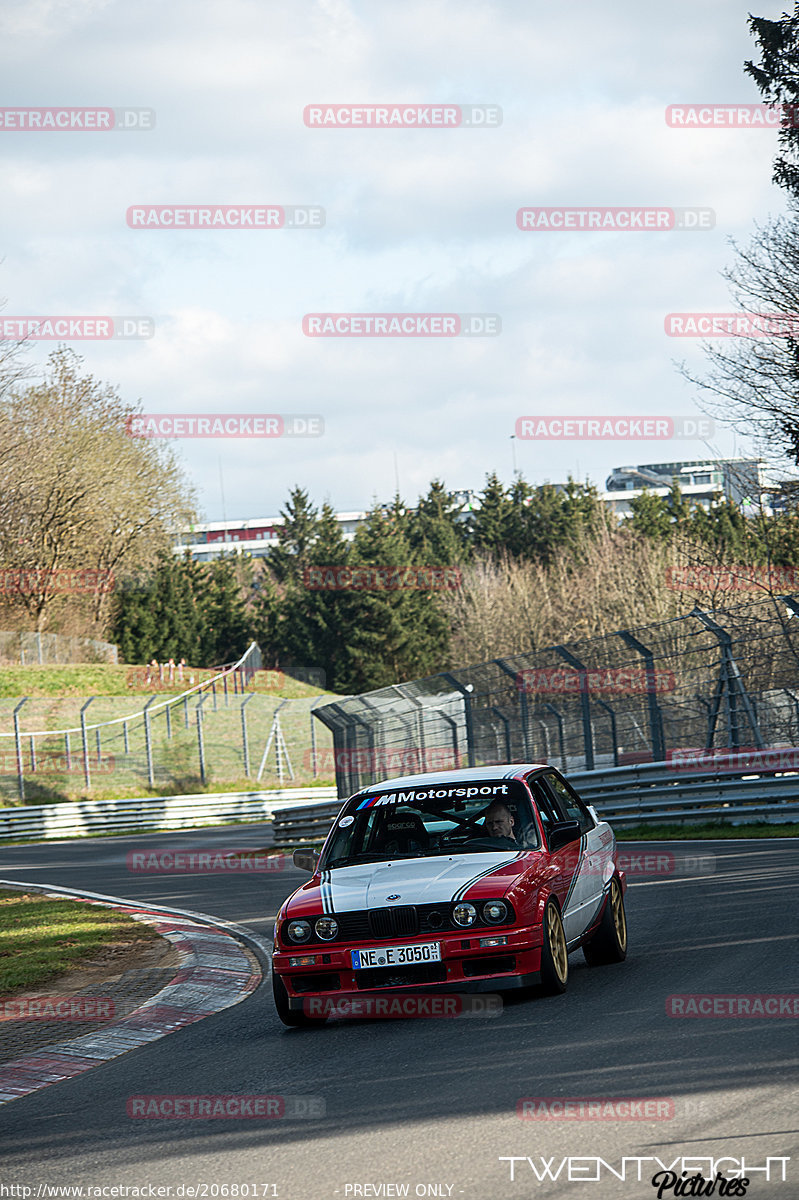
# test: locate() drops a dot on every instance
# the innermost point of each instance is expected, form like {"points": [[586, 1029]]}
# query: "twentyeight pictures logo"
{"points": [[402, 116], [435, 325]]}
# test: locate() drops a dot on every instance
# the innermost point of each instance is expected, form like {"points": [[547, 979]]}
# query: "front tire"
{"points": [[294, 1018], [554, 955], [609, 943]]}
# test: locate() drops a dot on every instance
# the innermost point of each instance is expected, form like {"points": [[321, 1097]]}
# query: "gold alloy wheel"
{"points": [[557, 943], [619, 919]]}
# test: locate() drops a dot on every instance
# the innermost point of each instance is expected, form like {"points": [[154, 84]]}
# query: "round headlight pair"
{"points": [[300, 931], [494, 912]]}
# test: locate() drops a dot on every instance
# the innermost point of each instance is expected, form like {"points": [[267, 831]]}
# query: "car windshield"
{"points": [[440, 819]]}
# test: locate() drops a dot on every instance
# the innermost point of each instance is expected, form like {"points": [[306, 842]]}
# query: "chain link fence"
{"points": [[29, 649], [218, 733], [660, 693]]}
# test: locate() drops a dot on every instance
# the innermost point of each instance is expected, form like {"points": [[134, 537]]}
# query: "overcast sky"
{"points": [[415, 221]]}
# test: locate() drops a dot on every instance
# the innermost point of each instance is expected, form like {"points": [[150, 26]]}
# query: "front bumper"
{"points": [[465, 966]]}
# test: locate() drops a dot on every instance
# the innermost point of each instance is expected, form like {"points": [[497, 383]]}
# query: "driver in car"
{"points": [[499, 820]]}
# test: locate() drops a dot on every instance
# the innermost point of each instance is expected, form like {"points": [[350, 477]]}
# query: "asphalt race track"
{"points": [[432, 1104]]}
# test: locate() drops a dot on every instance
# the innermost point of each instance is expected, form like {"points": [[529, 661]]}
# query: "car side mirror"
{"points": [[306, 860], [562, 833]]}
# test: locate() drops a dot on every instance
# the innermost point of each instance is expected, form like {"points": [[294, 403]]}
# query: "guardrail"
{"points": [[149, 814], [651, 793]]}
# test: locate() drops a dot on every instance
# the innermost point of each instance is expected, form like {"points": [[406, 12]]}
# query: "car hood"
{"points": [[434, 880]]}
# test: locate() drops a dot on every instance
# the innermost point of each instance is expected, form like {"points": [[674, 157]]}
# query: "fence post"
{"points": [[655, 715], [186, 711], [67, 752], [85, 741], [200, 746], [213, 693], [585, 703], [148, 743], [524, 704], [99, 750], [313, 745], [168, 723], [224, 684], [33, 756], [613, 735], [466, 691], [18, 743], [125, 735], [244, 745], [559, 718]]}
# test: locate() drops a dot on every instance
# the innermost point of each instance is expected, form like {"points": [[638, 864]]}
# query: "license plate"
{"points": [[396, 956]]}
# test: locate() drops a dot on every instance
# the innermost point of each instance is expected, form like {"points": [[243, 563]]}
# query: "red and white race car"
{"points": [[483, 879]]}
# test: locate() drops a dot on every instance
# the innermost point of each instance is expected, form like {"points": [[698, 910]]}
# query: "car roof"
{"points": [[466, 775]]}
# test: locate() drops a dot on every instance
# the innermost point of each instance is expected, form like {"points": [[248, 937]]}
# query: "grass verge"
{"points": [[41, 938], [712, 829]]}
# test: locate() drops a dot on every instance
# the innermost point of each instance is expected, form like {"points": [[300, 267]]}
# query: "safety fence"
{"points": [[46, 821], [29, 649], [722, 679], [228, 729], [653, 794]]}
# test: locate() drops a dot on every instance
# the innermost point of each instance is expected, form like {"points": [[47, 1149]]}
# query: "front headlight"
{"points": [[464, 914], [298, 931], [326, 928], [495, 911]]}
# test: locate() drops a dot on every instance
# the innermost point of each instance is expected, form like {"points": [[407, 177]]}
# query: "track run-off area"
{"points": [[438, 1107]]}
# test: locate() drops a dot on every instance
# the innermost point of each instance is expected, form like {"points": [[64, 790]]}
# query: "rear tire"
{"points": [[554, 955], [294, 1018], [609, 943]]}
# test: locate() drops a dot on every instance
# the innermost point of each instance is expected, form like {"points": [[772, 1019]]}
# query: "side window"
{"points": [[572, 807], [546, 805]]}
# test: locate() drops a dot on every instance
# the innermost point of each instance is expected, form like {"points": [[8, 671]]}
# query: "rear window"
{"points": [[440, 819]]}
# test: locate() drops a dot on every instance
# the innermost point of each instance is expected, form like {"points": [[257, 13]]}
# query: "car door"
{"points": [[567, 860], [585, 894]]}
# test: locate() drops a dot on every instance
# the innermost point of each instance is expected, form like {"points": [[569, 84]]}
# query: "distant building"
{"points": [[744, 481], [254, 536]]}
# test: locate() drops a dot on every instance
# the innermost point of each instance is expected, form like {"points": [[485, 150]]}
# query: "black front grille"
{"points": [[489, 964], [393, 922], [316, 982], [400, 976], [402, 921]]}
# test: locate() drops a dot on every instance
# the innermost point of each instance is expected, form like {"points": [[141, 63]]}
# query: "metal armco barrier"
{"points": [[653, 793], [42, 822]]}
